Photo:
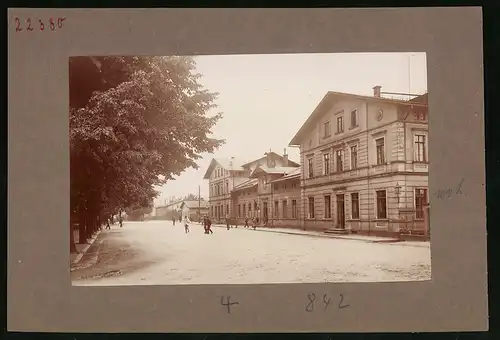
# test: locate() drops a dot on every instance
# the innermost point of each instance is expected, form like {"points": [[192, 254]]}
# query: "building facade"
{"points": [[364, 164], [194, 209], [271, 193], [228, 178]]}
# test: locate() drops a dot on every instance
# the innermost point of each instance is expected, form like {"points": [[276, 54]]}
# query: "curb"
{"points": [[84, 250], [323, 236]]}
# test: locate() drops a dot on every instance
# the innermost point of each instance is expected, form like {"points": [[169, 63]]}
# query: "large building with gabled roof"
{"points": [[364, 163]]}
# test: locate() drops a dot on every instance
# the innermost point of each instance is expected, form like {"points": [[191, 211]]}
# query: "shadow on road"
{"points": [[108, 256]]}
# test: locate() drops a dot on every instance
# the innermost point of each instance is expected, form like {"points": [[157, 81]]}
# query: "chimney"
{"points": [[285, 158], [376, 91]]}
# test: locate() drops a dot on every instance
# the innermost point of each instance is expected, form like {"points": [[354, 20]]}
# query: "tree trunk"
{"points": [[72, 246], [82, 232]]}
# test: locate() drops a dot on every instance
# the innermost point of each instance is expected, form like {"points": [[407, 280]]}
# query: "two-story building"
{"points": [[271, 192], [364, 164], [229, 179]]}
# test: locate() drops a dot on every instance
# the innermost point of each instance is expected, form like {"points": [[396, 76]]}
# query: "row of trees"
{"points": [[135, 123]]}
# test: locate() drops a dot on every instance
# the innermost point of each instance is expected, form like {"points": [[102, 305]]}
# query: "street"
{"points": [[156, 252]]}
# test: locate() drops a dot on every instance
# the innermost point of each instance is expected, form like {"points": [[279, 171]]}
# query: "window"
{"points": [[227, 209], [284, 207], [276, 186], [310, 167], [221, 210], [355, 206], [327, 129], [294, 208], [311, 207], [227, 187], [244, 210], [381, 204], [249, 207], [354, 118], [212, 211], [420, 201], [340, 124], [354, 157], [284, 186], [380, 151], [419, 148], [328, 207], [255, 206], [326, 164], [239, 210], [340, 160], [276, 209]]}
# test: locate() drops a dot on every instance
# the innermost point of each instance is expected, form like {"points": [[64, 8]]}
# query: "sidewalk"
{"points": [[81, 248], [310, 233]]}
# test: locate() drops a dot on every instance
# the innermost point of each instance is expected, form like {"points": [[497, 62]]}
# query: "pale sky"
{"points": [[266, 98]]}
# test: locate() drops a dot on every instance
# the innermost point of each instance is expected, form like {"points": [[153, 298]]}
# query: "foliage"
{"points": [[135, 123]]}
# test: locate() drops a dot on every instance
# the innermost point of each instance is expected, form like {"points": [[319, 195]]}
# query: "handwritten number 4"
{"points": [[228, 304]]}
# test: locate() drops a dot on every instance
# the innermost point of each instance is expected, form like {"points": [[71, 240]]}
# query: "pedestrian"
{"points": [[256, 222], [107, 224], [209, 226], [186, 224], [121, 222], [204, 223], [180, 219], [173, 220], [246, 222], [228, 225]]}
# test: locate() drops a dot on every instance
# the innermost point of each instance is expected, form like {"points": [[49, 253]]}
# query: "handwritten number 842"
{"points": [[29, 24], [326, 301]]}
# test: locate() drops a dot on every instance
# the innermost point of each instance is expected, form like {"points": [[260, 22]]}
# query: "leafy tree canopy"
{"points": [[135, 123]]}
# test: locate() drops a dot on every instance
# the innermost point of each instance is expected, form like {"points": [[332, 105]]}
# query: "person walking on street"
{"points": [[228, 225], [121, 221], [246, 222], [256, 222], [209, 226], [173, 220], [186, 224], [107, 224]]}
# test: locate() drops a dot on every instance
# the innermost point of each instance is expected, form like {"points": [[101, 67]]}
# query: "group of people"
{"points": [[207, 223]]}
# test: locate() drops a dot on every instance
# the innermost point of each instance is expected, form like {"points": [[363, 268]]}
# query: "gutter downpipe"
{"points": [[368, 169]]}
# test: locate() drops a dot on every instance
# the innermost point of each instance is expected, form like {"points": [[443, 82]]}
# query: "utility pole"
{"points": [[199, 204]]}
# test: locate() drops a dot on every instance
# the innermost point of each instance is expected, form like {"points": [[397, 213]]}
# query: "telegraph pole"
{"points": [[199, 204]]}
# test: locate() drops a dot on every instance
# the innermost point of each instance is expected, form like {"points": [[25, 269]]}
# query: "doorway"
{"points": [[340, 211], [265, 211]]}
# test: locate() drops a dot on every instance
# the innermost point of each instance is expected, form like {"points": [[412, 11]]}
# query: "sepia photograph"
{"points": [[249, 169]]}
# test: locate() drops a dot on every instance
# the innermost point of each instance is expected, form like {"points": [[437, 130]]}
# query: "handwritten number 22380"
{"points": [[52, 24]]}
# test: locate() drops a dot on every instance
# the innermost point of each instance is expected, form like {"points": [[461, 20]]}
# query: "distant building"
{"points": [[194, 209], [168, 211], [364, 163], [229, 179], [271, 193]]}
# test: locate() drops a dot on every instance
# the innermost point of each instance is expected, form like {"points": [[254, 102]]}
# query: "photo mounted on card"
{"points": [[256, 179]]}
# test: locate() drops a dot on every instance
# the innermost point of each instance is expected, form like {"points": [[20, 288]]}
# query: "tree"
{"points": [[145, 122], [191, 197]]}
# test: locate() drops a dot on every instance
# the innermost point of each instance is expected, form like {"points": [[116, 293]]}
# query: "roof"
{"points": [[195, 204], [264, 157], [291, 175], [247, 184], [276, 170], [225, 163], [331, 95]]}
